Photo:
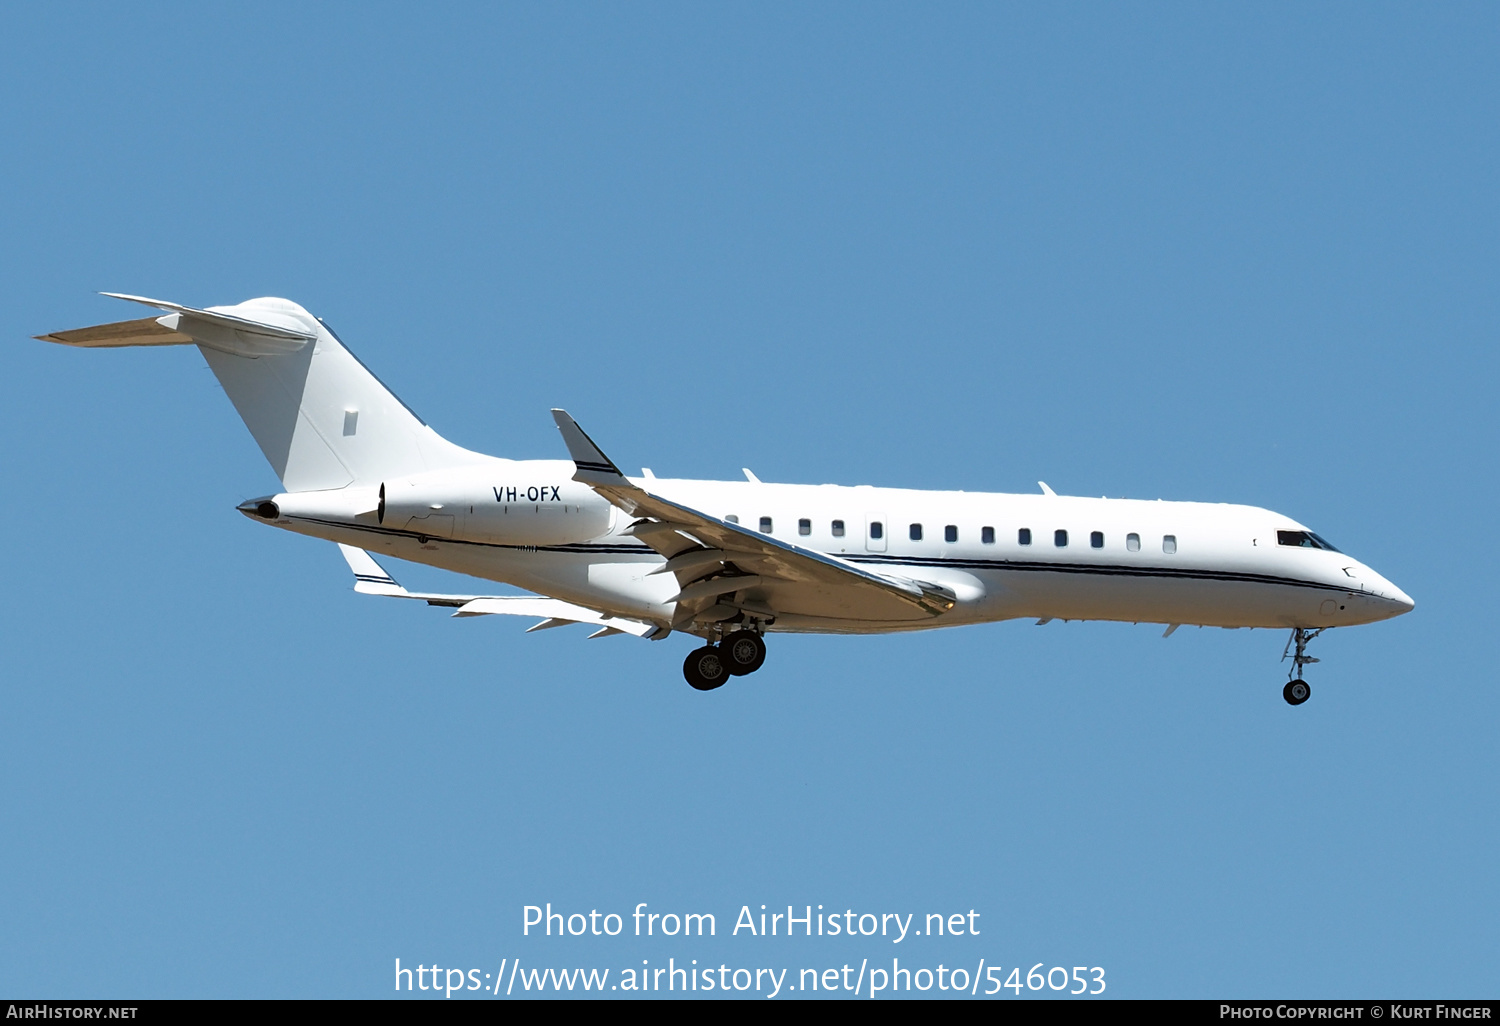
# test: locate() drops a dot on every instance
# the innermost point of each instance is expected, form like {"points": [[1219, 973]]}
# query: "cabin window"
{"points": [[1169, 543], [987, 535], [1133, 542], [804, 526], [877, 529], [1023, 536], [765, 525], [1097, 539], [1060, 539], [732, 518], [915, 532], [950, 533], [838, 528]]}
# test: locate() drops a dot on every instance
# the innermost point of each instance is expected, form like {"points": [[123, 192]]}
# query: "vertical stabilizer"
{"points": [[321, 418]]}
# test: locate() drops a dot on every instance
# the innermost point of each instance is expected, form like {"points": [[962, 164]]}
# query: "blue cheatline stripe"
{"points": [[1096, 569], [908, 562]]}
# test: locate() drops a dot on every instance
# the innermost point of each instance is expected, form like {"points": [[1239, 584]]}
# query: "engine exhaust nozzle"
{"points": [[263, 509]]}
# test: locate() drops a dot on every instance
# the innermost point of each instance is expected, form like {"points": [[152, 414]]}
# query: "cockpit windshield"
{"points": [[1303, 540]]}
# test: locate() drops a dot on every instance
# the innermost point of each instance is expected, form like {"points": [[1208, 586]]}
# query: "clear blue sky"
{"points": [[1188, 251]]}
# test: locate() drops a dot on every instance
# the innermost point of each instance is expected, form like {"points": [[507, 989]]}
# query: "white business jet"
{"points": [[728, 561]]}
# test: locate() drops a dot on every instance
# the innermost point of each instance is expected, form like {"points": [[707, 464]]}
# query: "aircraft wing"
{"points": [[371, 579], [760, 575]]}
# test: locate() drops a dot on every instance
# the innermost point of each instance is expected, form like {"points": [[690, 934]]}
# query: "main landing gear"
{"points": [[735, 655], [1298, 690]]}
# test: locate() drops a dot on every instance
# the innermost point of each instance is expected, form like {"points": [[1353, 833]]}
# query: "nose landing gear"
{"points": [[1298, 690], [735, 655]]}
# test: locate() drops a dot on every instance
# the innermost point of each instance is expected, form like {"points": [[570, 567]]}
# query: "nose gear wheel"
{"points": [[1298, 690]]}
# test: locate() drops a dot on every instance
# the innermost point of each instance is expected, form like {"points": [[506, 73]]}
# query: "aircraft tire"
{"points": [[1296, 691], [743, 652], [705, 669]]}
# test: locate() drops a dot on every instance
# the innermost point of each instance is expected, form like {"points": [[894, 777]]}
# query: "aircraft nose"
{"points": [[1401, 599], [1383, 591]]}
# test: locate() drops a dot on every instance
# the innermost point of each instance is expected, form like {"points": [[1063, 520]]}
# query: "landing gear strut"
{"points": [[736, 654], [1298, 690]]}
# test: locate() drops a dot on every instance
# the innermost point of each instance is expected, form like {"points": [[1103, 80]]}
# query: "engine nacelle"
{"points": [[531, 502]]}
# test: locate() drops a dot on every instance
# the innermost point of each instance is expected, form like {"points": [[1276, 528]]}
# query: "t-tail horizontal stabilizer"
{"points": [[371, 579], [183, 325]]}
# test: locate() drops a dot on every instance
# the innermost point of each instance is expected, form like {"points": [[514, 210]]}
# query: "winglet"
{"points": [[1046, 489], [369, 578], [594, 467]]}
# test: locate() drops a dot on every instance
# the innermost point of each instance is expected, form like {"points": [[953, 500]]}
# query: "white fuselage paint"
{"points": [[1227, 570]]}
